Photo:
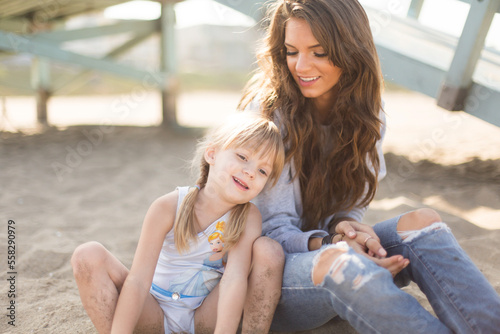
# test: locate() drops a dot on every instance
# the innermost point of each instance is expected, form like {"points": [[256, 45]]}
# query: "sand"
{"points": [[76, 183]]}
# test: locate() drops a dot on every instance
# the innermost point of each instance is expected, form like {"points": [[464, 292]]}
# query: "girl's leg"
{"points": [[264, 289], [264, 285], [335, 280], [100, 277], [459, 293]]}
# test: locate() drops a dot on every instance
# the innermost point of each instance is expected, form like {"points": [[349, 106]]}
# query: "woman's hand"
{"points": [[394, 263], [372, 245], [363, 240], [360, 245]]}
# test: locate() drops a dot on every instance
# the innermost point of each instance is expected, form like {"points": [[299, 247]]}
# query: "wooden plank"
{"points": [[252, 8], [410, 72], [47, 10], [418, 58], [469, 2], [422, 44], [81, 78], [137, 27], [18, 43]]}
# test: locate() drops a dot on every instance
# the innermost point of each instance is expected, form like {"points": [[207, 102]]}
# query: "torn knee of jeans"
{"points": [[333, 261], [408, 236], [328, 261]]}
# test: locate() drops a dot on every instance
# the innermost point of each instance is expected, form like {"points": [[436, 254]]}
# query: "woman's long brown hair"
{"points": [[345, 176]]}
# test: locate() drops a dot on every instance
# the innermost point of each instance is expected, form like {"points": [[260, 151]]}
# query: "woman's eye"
{"points": [[320, 55], [291, 53]]}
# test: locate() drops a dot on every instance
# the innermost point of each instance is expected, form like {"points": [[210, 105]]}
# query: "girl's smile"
{"points": [[240, 173], [240, 183]]}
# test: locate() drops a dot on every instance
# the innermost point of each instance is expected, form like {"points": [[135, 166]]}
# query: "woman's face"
{"points": [[308, 63]]}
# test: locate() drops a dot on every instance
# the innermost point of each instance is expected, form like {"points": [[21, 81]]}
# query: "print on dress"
{"points": [[216, 241], [194, 282]]}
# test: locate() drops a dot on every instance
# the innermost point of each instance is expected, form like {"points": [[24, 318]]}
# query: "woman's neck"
{"points": [[323, 106]]}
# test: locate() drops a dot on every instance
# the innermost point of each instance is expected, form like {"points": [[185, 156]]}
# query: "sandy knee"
{"points": [[328, 261], [86, 257], [418, 219], [267, 252]]}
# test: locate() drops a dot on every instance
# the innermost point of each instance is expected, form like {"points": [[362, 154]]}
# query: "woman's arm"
{"points": [[233, 285], [280, 219], [157, 223]]}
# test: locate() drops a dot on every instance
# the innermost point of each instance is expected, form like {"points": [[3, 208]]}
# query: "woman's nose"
{"points": [[302, 64]]}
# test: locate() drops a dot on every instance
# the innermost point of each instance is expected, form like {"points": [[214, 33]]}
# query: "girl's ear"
{"points": [[210, 155]]}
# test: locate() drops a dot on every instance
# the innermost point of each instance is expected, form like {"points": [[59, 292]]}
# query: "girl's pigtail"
{"points": [[185, 223], [233, 231]]}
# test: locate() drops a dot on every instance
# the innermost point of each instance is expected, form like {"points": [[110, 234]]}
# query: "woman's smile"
{"points": [[306, 82]]}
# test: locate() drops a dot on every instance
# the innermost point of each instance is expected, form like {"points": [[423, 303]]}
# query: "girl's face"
{"points": [[216, 245], [308, 63], [238, 174]]}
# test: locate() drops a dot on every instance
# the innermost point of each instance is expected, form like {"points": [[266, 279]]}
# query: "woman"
{"points": [[320, 80]]}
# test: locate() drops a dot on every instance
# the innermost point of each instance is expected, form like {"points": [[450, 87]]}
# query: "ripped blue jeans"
{"points": [[358, 290]]}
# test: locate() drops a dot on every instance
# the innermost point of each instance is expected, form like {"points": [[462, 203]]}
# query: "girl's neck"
{"points": [[209, 207]]}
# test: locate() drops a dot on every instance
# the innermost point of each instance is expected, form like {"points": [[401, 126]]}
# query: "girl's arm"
{"points": [[157, 223], [233, 285]]}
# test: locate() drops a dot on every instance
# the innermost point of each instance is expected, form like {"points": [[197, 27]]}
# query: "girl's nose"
{"points": [[249, 172]]}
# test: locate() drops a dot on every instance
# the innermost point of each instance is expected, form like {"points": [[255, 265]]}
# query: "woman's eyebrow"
{"points": [[311, 47]]}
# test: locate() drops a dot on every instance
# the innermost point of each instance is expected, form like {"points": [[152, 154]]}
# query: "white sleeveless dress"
{"points": [[182, 281]]}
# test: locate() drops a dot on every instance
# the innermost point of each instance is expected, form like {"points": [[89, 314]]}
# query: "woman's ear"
{"points": [[210, 155]]}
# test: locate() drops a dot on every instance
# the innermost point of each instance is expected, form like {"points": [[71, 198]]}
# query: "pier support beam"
{"points": [[458, 81], [169, 64]]}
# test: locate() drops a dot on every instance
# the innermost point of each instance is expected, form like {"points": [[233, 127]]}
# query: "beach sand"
{"points": [[73, 184]]}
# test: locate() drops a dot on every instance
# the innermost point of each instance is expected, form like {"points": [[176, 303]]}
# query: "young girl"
{"points": [[191, 237]]}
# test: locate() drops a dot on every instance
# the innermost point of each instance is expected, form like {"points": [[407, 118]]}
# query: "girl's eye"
{"points": [[263, 172], [242, 157]]}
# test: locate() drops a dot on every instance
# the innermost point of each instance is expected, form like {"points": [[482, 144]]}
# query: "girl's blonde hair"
{"points": [[345, 176], [252, 131]]}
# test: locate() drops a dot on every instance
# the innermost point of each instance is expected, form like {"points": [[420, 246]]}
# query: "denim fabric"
{"points": [[358, 290]]}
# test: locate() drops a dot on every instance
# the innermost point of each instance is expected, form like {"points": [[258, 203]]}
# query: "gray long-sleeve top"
{"points": [[281, 207]]}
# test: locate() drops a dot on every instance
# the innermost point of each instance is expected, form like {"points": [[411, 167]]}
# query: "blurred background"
{"points": [[214, 47]]}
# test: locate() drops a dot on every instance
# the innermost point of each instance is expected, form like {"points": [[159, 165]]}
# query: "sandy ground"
{"points": [[73, 184]]}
